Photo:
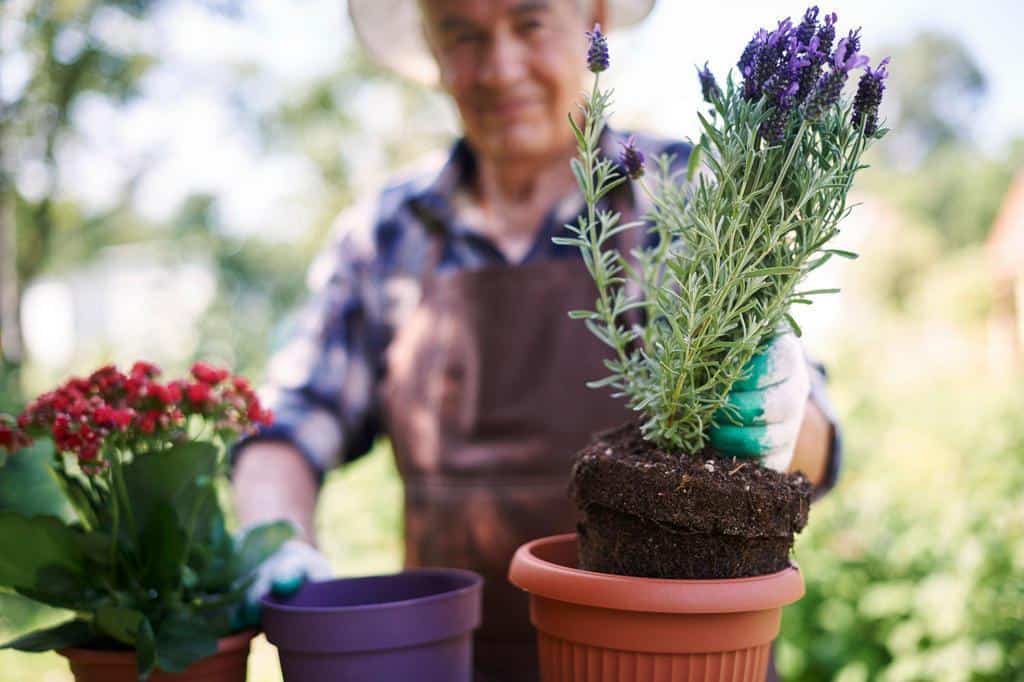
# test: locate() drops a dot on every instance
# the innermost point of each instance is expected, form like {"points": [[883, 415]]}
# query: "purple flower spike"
{"points": [[846, 58], [852, 42], [708, 87], [748, 61], [807, 28], [830, 86], [632, 159], [597, 54], [827, 33], [767, 58], [869, 97], [809, 74]]}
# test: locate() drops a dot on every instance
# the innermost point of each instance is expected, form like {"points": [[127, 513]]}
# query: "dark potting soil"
{"points": [[649, 513]]}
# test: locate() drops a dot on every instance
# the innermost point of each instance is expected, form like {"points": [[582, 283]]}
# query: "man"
{"points": [[442, 319]]}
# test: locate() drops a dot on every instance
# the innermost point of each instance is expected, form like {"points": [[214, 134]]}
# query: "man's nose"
{"points": [[505, 61]]}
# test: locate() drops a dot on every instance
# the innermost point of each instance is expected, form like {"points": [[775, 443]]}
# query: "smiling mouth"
{"points": [[510, 109]]}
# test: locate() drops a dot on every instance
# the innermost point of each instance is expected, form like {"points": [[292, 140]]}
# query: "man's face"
{"points": [[514, 69]]}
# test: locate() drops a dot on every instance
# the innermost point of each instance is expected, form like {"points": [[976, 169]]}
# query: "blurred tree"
{"points": [[63, 56], [933, 94], [930, 166]]}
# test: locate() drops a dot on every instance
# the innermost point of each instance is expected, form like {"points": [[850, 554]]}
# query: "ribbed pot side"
{"points": [[595, 627]]}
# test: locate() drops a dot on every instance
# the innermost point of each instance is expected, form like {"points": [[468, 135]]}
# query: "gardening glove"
{"points": [[282, 574], [766, 407]]}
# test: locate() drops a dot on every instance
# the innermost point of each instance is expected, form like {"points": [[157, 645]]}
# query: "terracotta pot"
{"points": [[227, 665], [610, 628], [415, 625]]}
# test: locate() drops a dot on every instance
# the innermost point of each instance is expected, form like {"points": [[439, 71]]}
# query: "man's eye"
{"points": [[530, 25], [467, 37]]}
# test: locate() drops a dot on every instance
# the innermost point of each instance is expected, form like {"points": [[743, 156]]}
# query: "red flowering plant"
{"points": [[147, 563]]}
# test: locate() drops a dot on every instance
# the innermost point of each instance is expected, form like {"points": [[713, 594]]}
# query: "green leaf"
{"points": [[171, 476], [162, 547], [59, 587], [583, 315], [793, 325], [581, 140], [580, 173], [776, 270], [842, 254], [28, 485], [181, 640], [814, 292], [51, 543], [68, 633], [262, 541], [693, 163], [145, 650], [601, 383], [119, 622]]}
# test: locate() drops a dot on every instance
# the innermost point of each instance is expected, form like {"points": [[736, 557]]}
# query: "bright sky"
{"points": [[186, 122], [679, 34]]}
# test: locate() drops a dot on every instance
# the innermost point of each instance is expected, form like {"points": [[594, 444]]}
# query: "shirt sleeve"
{"points": [[321, 382], [819, 394]]}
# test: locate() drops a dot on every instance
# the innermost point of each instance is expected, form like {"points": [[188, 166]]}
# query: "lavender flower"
{"points": [[597, 53], [766, 58], [830, 86], [746, 60], [847, 58], [632, 159], [781, 92], [809, 74], [852, 43], [827, 33], [807, 28], [708, 87], [869, 96], [774, 127]]}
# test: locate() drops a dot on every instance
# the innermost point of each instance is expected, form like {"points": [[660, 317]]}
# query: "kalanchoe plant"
{"points": [[147, 563], [729, 247]]}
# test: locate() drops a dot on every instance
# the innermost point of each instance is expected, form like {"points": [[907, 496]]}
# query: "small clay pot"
{"points": [[415, 625], [599, 626], [227, 665]]}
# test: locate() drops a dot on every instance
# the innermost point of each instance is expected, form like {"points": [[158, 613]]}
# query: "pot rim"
{"points": [[566, 583], [474, 583], [232, 642]]}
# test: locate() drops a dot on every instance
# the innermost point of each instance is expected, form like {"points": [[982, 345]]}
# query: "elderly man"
{"points": [[441, 320]]}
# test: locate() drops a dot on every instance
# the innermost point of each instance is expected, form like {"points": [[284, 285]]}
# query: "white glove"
{"points": [[767, 407], [283, 573]]}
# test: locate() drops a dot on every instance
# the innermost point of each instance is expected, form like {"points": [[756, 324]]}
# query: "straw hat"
{"points": [[390, 32]]}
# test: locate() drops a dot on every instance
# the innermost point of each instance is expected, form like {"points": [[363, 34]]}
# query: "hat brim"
{"points": [[390, 32]]}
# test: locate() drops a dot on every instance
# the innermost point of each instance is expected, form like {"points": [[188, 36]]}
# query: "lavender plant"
{"points": [[732, 243]]}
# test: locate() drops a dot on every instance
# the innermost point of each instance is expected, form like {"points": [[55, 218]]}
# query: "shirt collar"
{"points": [[435, 203]]}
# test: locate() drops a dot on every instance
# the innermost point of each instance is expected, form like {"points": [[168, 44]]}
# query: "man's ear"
{"points": [[432, 48]]}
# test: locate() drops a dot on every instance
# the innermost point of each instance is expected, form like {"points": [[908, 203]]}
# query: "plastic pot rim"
{"points": [[474, 581], [232, 642], [561, 582]]}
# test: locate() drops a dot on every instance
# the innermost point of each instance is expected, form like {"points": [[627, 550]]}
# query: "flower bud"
{"points": [[597, 54]]}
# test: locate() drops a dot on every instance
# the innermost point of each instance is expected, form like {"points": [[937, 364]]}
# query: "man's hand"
{"points": [[282, 574], [272, 481], [767, 408]]}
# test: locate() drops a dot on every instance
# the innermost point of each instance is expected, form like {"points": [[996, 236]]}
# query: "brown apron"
{"points": [[486, 405]]}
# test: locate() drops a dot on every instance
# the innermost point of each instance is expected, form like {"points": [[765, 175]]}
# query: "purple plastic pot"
{"points": [[415, 625]]}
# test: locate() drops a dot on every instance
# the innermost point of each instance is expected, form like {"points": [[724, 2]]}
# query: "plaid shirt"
{"points": [[324, 382]]}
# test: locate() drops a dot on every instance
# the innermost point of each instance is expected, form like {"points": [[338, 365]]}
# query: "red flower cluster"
{"points": [[11, 437], [83, 414]]}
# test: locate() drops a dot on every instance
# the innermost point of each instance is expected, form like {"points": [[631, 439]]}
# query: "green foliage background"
{"points": [[914, 564]]}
